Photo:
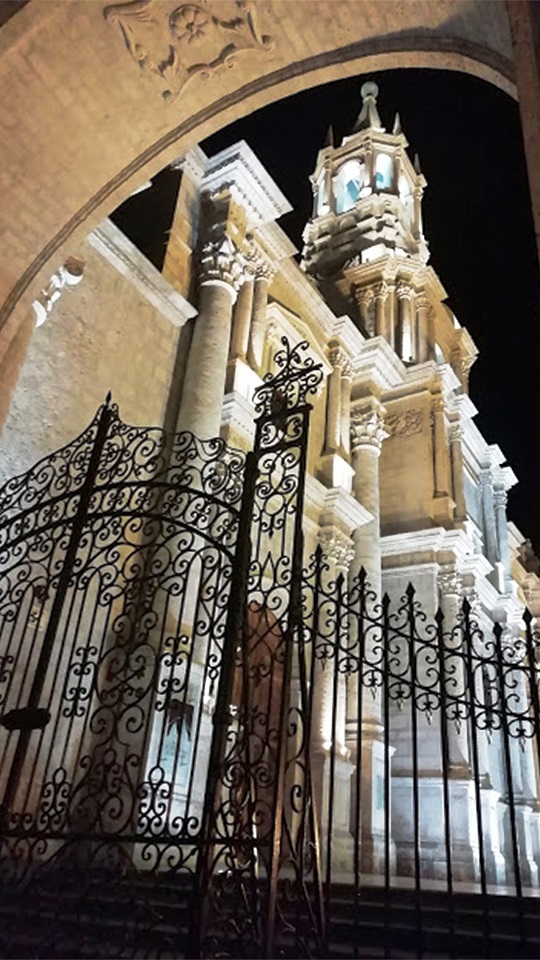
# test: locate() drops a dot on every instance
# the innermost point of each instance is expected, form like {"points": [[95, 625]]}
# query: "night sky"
{"points": [[477, 221]]}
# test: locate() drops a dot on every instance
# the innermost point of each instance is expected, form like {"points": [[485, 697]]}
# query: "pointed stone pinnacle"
{"points": [[329, 140], [416, 164], [369, 115], [396, 129]]}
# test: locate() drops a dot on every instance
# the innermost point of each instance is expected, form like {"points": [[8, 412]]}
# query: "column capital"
{"points": [[367, 426], [455, 432], [404, 290], [337, 547], [500, 497], [363, 295], [220, 262], [450, 581], [422, 302], [337, 355], [381, 290]]}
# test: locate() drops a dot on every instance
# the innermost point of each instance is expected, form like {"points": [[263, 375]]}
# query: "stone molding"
{"points": [[450, 581], [124, 256], [239, 170]]}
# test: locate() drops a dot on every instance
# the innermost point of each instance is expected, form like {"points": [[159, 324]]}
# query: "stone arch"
{"points": [[106, 97]]}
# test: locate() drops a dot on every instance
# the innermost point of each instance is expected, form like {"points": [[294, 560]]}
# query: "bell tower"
{"points": [[364, 245]]}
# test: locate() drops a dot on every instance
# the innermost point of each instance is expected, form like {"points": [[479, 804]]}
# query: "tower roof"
{"points": [[369, 115]]}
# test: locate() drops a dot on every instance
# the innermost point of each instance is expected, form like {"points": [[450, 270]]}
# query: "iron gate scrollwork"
{"points": [[138, 626]]}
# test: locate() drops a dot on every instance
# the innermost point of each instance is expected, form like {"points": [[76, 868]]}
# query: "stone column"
{"points": [[450, 587], [332, 442], [204, 385], [364, 296], [425, 347], [367, 434], [329, 695], [391, 333], [346, 380], [440, 450], [242, 321], [456, 461], [263, 276], [406, 335], [380, 293], [500, 498], [488, 515]]}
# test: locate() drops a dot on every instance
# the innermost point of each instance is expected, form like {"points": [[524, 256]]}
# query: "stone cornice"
{"points": [[434, 545], [193, 163], [377, 367], [238, 169], [343, 507], [275, 241], [349, 336], [124, 256]]}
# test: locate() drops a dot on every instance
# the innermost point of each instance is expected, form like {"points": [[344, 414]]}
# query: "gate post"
{"points": [[256, 814]]}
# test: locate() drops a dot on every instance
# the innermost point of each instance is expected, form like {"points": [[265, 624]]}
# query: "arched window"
{"points": [[383, 171], [349, 182]]}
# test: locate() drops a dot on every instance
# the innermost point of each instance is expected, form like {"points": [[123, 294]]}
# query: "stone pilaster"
{"points": [[264, 273], [488, 516], [456, 463], [425, 346], [367, 435], [346, 381], [221, 274], [500, 499]]}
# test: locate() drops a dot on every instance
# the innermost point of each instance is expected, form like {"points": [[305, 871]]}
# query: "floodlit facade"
{"points": [[400, 480]]}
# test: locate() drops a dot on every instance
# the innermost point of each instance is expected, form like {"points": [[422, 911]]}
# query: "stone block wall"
{"points": [[101, 335]]}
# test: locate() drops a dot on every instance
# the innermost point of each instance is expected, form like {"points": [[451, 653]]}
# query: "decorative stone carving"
{"points": [[337, 357], [455, 432], [404, 291], [364, 295], [367, 427], [192, 39], [220, 261], [500, 497], [404, 424], [450, 582], [68, 275], [380, 290], [336, 547]]}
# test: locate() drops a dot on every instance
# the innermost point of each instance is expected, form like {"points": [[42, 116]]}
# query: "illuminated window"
{"points": [[383, 171], [349, 182]]}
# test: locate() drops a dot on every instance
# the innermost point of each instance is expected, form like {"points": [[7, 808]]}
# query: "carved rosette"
{"points": [[337, 547], [192, 39], [221, 262], [367, 427]]}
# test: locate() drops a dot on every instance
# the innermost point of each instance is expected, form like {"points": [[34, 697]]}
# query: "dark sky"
{"points": [[477, 221]]}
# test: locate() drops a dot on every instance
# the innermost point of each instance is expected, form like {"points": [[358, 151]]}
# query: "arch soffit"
{"points": [[378, 53]]}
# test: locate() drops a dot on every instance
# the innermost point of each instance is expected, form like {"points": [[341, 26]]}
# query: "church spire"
{"points": [[369, 115]]}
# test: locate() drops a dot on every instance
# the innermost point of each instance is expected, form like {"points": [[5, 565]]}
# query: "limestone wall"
{"points": [[102, 335]]}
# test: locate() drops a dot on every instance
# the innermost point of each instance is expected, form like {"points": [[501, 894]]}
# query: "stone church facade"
{"points": [[400, 479]]}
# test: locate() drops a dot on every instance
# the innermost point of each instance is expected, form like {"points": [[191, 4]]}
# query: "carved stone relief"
{"points": [[189, 40], [404, 424]]}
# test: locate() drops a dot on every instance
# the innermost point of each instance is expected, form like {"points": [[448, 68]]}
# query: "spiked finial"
{"points": [[369, 115], [416, 164], [329, 140], [396, 129]]}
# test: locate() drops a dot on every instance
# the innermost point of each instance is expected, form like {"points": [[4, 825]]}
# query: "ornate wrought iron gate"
{"points": [[150, 639], [207, 750]]}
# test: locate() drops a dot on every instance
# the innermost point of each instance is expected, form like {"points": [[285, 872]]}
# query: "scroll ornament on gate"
{"points": [[191, 39]]}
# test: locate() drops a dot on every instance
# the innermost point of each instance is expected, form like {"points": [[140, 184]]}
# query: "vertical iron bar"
{"points": [[331, 786], [497, 630], [385, 686], [445, 764], [357, 830], [77, 527], [415, 785], [467, 645]]}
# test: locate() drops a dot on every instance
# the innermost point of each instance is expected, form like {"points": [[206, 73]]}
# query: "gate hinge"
{"points": [[26, 718]]}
